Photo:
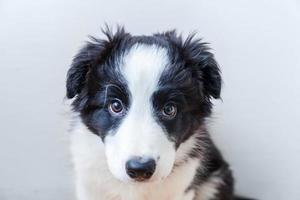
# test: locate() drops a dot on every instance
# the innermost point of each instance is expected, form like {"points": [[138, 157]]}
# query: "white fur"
{"points": [[208, 190], [139, 134]]}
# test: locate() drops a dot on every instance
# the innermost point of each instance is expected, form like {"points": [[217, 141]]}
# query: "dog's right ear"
{"points": [[93, 53], [81, 64]]}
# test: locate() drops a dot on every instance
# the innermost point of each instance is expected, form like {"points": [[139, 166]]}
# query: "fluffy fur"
{"points": [[161, 87]]}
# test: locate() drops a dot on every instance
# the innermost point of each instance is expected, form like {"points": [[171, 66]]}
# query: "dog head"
{"points": [[143, 96]]}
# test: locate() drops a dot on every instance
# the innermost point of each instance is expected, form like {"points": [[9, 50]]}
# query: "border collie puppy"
{"points": [[140, 129]]}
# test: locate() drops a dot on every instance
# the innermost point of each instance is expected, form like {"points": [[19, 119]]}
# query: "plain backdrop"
{"points": [[256, 125]]}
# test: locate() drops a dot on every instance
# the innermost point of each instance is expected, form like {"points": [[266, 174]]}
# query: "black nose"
{"points": [[140, 168]]}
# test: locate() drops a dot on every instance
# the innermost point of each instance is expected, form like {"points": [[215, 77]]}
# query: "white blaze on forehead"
{"points": [[142, 67], [139, 134]]}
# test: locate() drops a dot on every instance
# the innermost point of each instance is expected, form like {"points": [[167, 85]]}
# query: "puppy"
{"points": [[139, 131]]}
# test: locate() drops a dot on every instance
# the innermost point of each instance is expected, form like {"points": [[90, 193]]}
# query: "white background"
{"points": [[256, 126]]}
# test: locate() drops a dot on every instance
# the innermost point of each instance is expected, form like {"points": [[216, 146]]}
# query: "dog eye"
{"points": [[169, 110], [116, 106]]}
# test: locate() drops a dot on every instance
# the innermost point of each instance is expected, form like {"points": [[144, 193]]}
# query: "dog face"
{"points": [[143, 96]]}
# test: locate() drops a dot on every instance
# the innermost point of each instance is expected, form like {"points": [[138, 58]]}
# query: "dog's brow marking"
{"points": [[106, 88]]}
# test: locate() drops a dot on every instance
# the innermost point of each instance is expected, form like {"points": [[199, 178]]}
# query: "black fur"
{"points": [[194, 78], [195, 75], [191, 81]]}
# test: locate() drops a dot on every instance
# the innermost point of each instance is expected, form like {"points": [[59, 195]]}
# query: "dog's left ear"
{"points": [[196, 56], [204, 65]]}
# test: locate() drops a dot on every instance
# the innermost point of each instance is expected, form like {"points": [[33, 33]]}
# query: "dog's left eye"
{"points": [[169, 110], [116, 106]]}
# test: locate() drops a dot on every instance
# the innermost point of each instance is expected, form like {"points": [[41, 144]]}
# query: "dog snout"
{"points": [[140, 169]]}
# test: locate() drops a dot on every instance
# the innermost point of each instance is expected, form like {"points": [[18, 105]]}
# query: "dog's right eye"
{"points": [[116, 107]]}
